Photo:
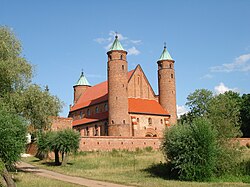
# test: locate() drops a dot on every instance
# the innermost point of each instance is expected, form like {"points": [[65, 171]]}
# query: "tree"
{"points": [[192, 150], [13, 140], [224, 113], [197, 103], [245, 115], [22, 101], [64, 142]]}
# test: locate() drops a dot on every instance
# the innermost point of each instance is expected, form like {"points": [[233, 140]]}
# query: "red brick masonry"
{"points": [[107, 143]]}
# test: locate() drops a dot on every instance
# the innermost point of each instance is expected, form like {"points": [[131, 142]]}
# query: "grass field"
{"points": [[24, 179], [141, 168]]}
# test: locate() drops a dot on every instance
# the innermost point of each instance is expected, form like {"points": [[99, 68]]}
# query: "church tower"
{"points": [[166, 84], [80, 87], [118, 90]]}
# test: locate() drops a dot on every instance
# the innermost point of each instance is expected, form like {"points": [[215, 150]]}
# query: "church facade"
{"points": [[125, 105]]}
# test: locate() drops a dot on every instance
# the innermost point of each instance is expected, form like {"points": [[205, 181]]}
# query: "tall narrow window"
{"points": [[149, 121], [121, 57], [106, 107], [96, 130], [96, 109], [122, 67], [170, 65], [87, 131], [172, 75], [88, 112], [81, 115]]}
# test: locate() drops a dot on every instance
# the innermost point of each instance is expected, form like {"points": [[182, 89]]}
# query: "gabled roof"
{"points": [[145, 106], [116, 45], [82, 81], [95, 94], [165, 55]]}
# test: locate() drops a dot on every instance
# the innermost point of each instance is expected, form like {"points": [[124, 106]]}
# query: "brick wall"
{"points": [[107, 143], [60, 123]]}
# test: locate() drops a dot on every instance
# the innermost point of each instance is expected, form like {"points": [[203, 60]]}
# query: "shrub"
{"points": [[191, 150]]}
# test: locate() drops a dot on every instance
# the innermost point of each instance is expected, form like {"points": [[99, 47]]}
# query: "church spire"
{"points": [[82, 81], [116, 45], [165, 54]]}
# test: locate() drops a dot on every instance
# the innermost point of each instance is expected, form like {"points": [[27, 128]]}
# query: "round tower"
{"points": [[80, 87], [118, 91], [166, 84]]}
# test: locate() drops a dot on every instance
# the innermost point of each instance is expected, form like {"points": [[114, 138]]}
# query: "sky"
{"points": [[209, 41]]}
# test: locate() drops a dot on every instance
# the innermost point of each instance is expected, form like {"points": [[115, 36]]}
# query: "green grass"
{"points": [[24, 179], [141, 168]]}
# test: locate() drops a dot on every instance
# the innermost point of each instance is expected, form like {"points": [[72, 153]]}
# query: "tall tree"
{"points": [[245, 115], [224, 113], [21, 100]]}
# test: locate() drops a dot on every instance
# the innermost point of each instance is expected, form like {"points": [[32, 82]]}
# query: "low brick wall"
{"points": [[242, 141], [107, 143]]}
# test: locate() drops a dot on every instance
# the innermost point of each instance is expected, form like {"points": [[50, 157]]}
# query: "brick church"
{"points": [[125, 105]]}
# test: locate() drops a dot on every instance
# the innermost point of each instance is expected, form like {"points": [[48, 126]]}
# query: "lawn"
{"points": [[141, 168], [24, 179]]}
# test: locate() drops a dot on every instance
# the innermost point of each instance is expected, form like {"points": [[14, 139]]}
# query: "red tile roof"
{"points": [[94, 95], [145, 106], [91, 119]]}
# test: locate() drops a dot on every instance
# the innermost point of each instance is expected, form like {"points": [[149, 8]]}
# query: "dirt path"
{"points": [[53, 175]]}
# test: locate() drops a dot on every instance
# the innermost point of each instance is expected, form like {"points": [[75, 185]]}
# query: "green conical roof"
{"points": [[165, 55], [82, 81], [116, 45]]}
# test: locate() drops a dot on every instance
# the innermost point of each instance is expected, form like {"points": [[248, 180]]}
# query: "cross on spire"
{"points": [[116, 34], [165, 45]]}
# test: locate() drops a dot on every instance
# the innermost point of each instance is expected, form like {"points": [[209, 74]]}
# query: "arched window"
{"points": [[121, 57], [87, 131], [122, 67], [88, 112], [172, 75], [112, 122], [124, 121], [106, 107], [138, 120], [96, 109], [150, 121]]}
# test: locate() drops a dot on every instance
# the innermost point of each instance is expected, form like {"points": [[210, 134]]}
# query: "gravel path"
{"points": [[53, 175]]}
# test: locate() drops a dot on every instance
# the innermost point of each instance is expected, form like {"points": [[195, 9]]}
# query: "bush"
{"points": [[191, 150]]}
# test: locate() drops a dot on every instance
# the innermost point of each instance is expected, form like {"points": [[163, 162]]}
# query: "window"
{"points": [[81, 115], [124, 121], [170, 65], [96, 131], [96, 109], [161, 121], [88, 112], [106, 107], [110, 57], [172, 75], [122, 67], [138, 120], [121, 57], [87, 131], [112, 122], [149, 121]]}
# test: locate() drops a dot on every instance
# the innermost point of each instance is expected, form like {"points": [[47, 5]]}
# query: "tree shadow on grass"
{"points": [[162, 170]]}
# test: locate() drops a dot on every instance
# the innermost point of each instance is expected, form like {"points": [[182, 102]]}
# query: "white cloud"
{"points": [[207, 76], [181, 110], [107, 42], [133, 51], [241, 63], [222, 88]]}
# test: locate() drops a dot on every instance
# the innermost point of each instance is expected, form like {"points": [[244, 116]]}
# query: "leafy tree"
{"points": [[13, 140], [64, 142], [17, 100], [224, 113], [192, 150], [245, 115]]}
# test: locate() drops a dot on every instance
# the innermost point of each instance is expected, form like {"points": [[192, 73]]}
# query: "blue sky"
{"points": [[209, 41]]}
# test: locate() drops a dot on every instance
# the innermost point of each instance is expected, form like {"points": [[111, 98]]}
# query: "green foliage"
{"points": [[245, 115], [192, 150], [198, 102], [13, 137], [224, 113], [16, 72], [64, 141]]}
